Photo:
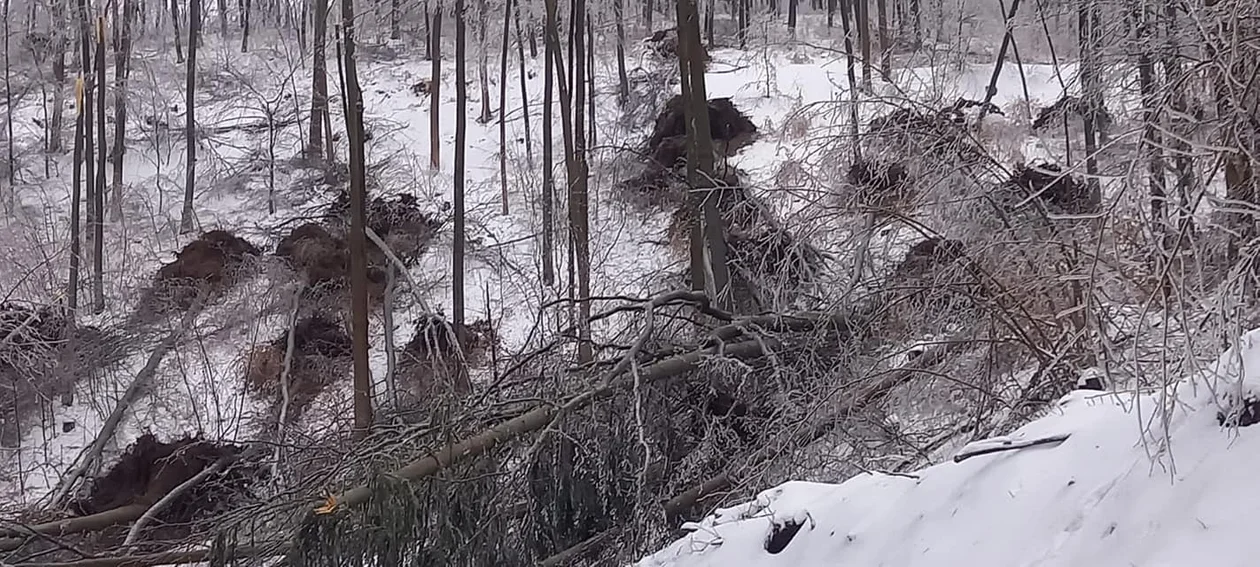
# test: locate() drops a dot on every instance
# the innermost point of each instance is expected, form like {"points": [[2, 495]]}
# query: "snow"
{"points": [[1145, 479]]}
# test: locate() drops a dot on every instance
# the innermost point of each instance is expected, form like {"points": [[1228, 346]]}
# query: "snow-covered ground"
{"points": [[1145, 479]]}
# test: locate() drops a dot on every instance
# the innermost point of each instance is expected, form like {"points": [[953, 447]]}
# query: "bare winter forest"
{"points": [[524, 282]]}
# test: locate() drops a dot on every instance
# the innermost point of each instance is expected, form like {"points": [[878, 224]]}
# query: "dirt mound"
{"points": [[315, 253], [928, 254], [43, 355], [438, 356], [205, 266], [942, 133], [399, 221], [730, 129], [1068, 106], [321, 353], [1062, 193], [150, 469], [879, 184]]}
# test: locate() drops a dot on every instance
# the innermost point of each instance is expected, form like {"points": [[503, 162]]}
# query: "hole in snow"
{"points": [[1241, 415], [781, 535]]}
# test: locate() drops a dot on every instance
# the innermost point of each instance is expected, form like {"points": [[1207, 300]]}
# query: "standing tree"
{"points": [[122, 69], [885, 48], [461, 126], [246, 8], [319, 79], [792, 18], [395, 19], [435, 86], [1091, 91], [89, 107], [579, 216], [623, 83], [709, 234], [482, 50], [179, 52], [863, 21], [76, 198], [358, 232], [60, 45], [190, 122], [98, 194], [503, 57], [548, 188]]}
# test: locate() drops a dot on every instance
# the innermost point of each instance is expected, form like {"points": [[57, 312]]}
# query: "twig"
{"points": [[164, 558], [580, 549]]}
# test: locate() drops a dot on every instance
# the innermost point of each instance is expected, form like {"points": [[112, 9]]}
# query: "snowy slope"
{"points": [[1143, 479]]}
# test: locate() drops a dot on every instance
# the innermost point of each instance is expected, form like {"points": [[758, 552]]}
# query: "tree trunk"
{"points": [[885, 49], [592, 140], [435, 122], [246, 8], [623, 82], [1091, 92], [850, 63], [223, 19], [791, 23], [190, 124], [98, 194], [549, 190], [1150, 117], [122, 70], [482, 73], [700, 157], [76, 198], [395, 19], [358, 238], [60, 45], [579, 220], [831, 13], [864, 39], [89, 126], [319, 79], [461, 127], [520, 54], [503, 145], [648, 9], [743, 22], [1182, 130], [179, 52]]}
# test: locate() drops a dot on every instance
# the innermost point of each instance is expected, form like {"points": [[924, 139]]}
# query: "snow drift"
{"points": [[1146, 479]]}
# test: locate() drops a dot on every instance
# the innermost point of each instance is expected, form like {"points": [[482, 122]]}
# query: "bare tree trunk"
{"points": [[60, 40], [358, 238], [246, 8], [1150, 117], [623, 82], [76, 199], [482, 73], [791, 23], [648, 9], [122, 70], [89, 137], [549, 191], [850, 63], [98, 195], [579, 219], [700, 157], [428, 31], [9, 197], [461, 127], [319, 79], [1179, 145], [179, 52], [592, 141], [864, 39], [223, 19], [743, 22], [1091, 92], [190, 124], [520, 54], [435, 122], [503, 145], [885, 49], [395, 19]]}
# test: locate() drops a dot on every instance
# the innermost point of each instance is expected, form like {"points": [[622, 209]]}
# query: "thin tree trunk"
{"points": [[179, 52], [579, 219], [623, 82], [395, 19], [435, 122], [246, 8], [319, 79], [885, 49], [89, 126], [223, 19], [549, 191], [1007, 39], [60, 41], [592, 140], [358, 238], [850, 63], [791, 23], [648, 9], [98, 195], [482, 73], [1150, 117], [864, 39], [461, 126], [190, 124], [520, 54], [1179, 147], [122, 71], [503, 145], [1091, 94], [76, 198]]}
